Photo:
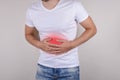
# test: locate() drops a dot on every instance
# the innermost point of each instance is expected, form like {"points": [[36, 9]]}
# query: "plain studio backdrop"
{"points": [[99, 57]]}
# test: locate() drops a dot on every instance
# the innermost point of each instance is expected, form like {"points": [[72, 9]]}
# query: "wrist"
{"points": [[38, 44], [73, 44]]}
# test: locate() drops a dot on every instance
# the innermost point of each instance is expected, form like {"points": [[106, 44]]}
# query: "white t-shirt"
{"points": [[61, 20]]}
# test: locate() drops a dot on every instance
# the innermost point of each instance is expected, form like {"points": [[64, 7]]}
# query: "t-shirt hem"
{"points": [[71, 66]]}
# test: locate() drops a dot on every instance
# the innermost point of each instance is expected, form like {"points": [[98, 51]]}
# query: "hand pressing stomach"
{"points": [[56, 44]]}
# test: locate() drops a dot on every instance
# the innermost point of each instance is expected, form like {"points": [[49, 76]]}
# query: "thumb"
{"points": [[47, 39]]}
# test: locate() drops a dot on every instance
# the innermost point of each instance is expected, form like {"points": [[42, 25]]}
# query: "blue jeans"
{"points": [[47, 73]]}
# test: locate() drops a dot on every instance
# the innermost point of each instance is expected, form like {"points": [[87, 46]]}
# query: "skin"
{"points": [[50, 4], [32, 38], [45, 0]]}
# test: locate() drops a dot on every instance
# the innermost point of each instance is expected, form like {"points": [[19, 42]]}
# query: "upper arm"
{"points": [[31, 31], [88, 24]]}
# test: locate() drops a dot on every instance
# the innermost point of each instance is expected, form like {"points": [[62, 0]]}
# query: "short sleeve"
{"points": [[28, 20], [80, 12]]}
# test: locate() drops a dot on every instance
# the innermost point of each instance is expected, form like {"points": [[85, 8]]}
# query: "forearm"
{"points": [[85, 36], [33, 40], [90, 31]]}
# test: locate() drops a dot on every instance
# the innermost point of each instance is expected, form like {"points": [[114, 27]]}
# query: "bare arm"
{"points": [[90, 31], [31, 35]]}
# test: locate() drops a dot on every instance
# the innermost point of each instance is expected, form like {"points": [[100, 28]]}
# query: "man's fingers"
{"points": [[47, 39], [53, 45], [55, 52], [62, 41], [56, 49]]}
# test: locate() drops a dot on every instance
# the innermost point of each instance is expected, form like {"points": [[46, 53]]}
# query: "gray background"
{"points": [[99, 57]]}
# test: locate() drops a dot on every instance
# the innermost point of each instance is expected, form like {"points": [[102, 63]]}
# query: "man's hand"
{"points": [[55, 48], [45, 45], [62, 48]]}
